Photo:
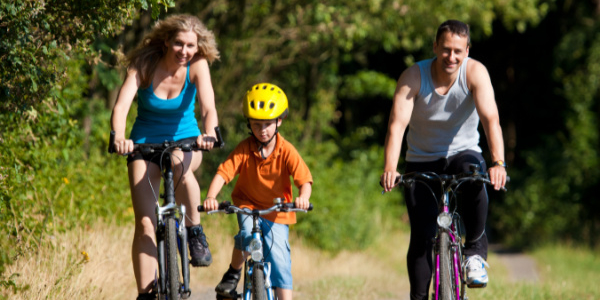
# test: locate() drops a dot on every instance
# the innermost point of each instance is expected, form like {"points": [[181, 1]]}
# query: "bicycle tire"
{"points": [[446, 267], [173, 273], [258, 283]]}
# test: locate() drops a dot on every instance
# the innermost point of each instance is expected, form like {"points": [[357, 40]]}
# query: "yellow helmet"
{"points": [[265, 101]]}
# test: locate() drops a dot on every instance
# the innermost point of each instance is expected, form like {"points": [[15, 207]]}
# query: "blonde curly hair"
{"points": [[144, 58]]}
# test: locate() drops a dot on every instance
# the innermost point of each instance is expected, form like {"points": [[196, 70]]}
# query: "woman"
{"points": [[166, 71]]}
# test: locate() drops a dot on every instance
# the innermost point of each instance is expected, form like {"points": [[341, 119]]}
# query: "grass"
{"points": [[95, 263]]}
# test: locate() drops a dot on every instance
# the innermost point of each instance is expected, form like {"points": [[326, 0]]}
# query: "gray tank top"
{"points": [[442, 125]]}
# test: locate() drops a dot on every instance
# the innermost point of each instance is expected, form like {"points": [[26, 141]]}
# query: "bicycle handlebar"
{"points": [[228, 208], [474, 176], [456, 179], [147, 148]]}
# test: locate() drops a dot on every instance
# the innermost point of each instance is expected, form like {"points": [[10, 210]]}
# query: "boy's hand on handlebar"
{"points": [[388, 180], [206, 141], [302, 203], [210, 204], [497, 176], [123, 146]]}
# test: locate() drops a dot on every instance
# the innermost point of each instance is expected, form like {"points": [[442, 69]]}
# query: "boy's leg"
{"points": [[233, 275], [277, 253], [283, 294]]}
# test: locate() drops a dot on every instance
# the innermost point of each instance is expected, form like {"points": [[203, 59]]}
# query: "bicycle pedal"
{"points": [[232, 296], [476, 286]]}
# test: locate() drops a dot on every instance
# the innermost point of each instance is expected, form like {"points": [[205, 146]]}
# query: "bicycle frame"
{"points": [[171, 210], [449, 222]]}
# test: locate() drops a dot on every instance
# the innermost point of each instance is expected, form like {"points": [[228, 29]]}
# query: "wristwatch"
{"points": [[499, 163]]}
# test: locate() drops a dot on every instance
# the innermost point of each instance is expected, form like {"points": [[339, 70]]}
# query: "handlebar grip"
{"points": [[220, 143], [293, 205], [222, 206], [111, 142]]}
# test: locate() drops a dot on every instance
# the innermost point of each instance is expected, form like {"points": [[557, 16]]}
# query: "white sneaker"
{"points": [[476, 273]]}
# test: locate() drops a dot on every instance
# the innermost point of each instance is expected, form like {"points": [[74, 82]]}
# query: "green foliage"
{"points": [[53, 174], [368, 84], [350, 211], [554, 196], [51, 178], [35, 34]]}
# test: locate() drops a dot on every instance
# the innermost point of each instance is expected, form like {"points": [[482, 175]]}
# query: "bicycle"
{"points": [[448, 277], [171, 234], [257, 283]]}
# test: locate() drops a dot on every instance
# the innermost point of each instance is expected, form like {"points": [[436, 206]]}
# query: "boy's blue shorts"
{"points": [[276, 248]]}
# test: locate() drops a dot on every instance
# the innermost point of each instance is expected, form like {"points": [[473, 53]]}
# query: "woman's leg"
{"points": [[187, 189], [187, 192], [143, 252]]}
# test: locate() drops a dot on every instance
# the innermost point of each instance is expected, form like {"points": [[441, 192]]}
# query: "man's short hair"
{"points": [[456, 27]]}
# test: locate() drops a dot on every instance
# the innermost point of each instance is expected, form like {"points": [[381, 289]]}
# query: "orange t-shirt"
{"points": [[262, 180]]}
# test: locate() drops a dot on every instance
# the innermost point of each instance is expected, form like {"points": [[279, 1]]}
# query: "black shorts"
{"points": [[154, 157]]}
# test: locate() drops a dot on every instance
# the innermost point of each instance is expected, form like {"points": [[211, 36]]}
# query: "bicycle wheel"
{"points": [[445, 267], [172, 267], [258, 283]]}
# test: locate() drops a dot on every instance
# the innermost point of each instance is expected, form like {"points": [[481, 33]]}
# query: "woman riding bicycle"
{"points": [[168, 70]]}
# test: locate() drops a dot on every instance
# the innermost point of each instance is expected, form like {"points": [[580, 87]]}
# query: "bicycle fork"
{"points": [[256, 261]]}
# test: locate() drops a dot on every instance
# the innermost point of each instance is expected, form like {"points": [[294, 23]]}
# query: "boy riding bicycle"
{"points": [[264, 163]]}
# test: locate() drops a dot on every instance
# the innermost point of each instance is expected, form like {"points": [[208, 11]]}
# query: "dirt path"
{"points": [[521, 267]]}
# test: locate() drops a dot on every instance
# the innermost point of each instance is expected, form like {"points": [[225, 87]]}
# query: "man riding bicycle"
{"points": [[443, 99]]}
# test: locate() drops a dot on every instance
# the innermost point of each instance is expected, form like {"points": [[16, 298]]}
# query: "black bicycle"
{"points": [[171, 234], [257, 282]]}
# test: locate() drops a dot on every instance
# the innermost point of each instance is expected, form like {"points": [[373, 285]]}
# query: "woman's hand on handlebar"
{"points": [[123, 146], [206, 141], [388, 180]]}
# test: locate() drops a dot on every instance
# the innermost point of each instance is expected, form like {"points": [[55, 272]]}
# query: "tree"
{"points": [[35, 34]]}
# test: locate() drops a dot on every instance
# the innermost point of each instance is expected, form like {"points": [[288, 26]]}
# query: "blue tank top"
{"points": [[442, 125], [160, 120]]}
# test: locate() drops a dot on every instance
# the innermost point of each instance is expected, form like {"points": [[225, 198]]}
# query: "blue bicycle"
{"points": [[257, 283]]}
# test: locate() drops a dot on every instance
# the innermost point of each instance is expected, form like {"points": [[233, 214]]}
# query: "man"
{"points": [[443, 99]]}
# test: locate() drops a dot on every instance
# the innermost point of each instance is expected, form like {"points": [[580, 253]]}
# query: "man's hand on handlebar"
{"points": [[388, 180], [497, 175]]}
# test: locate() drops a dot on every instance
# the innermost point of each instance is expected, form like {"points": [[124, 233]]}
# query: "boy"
{"points": [[264, 162]]}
